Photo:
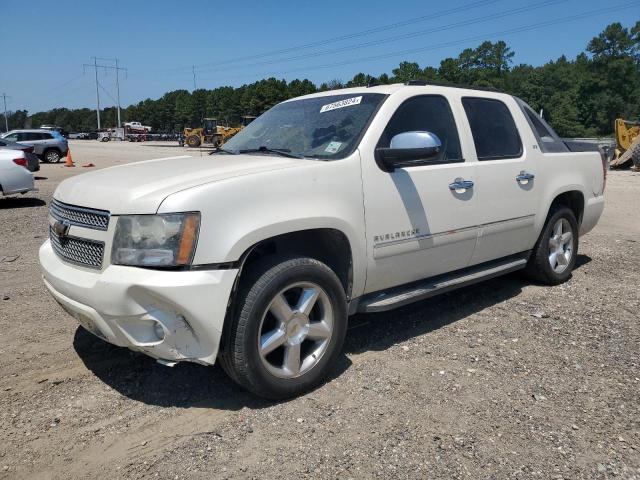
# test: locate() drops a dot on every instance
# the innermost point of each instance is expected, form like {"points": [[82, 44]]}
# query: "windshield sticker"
{"points": [[347, 102], [333, 147]]}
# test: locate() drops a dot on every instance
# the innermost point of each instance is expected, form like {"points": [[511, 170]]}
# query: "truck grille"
{"points": [[88, 253], [82, 217]]}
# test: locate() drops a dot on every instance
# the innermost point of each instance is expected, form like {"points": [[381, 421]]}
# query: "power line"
{"points": [[106, 67], [512, 31], [404, 36], [348, 36]]}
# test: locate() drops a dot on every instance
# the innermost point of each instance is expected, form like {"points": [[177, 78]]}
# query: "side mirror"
{"points": [[408, 148]]}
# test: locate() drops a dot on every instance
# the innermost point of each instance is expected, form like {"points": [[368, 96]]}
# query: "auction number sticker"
{"points": [[347, 102]]}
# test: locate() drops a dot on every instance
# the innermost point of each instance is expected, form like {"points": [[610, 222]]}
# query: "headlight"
{"points": [[167, 240]]}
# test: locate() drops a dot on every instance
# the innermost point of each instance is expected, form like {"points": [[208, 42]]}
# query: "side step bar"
{"points": [[416, 291]]}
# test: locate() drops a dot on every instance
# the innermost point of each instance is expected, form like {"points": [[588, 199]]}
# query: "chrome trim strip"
{"points": [[428, 236]]}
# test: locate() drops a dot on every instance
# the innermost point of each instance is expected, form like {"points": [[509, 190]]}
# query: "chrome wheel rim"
{"points": [[52, 157], [295, 330], [561, 245]]}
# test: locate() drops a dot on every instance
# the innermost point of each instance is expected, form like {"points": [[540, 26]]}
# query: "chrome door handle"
{"points": [[524, 177], [460, 185]]}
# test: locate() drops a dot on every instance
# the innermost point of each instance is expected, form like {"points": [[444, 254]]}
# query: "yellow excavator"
{"points": [[627, 144], [212, 133]]}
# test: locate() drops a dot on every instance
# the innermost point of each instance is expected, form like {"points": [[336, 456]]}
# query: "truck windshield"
{"points": [[321, 127]]}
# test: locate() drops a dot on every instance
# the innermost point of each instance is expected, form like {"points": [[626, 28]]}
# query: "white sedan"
{"points": [[14, 175]]}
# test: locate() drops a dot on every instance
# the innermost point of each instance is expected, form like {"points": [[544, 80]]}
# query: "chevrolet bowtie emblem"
{"points": [[61, 228]]}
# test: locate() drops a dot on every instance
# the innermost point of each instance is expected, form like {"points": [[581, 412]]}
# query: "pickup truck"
{"points": [[136, 127], [354, 200]]}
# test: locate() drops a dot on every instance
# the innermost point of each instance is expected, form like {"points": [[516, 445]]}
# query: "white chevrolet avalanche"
{"points": [[355, 200]]}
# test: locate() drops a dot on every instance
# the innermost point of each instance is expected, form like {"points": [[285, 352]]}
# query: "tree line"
{"points": [[580, 97]]}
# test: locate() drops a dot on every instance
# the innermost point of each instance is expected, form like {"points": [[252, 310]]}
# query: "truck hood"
{"points": [[142, 186]]}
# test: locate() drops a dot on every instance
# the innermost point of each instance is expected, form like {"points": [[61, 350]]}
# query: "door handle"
{"points": [[524, 177], [460, 185]]}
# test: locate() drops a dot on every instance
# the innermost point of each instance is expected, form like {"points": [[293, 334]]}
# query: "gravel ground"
{"points": [[504, 379]]}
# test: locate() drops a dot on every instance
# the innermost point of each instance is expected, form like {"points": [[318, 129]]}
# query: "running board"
{"points": [[414, 292]]}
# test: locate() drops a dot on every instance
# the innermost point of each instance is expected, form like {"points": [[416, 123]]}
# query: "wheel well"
{"points": [[44, 152], [327, 245], [573, 200]]}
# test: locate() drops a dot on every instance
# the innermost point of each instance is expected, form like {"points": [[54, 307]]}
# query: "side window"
{"points": [[12, 138], [426, 113], [32, 136], [539, 128], [548, 140], [45, 136], [494, 132]]}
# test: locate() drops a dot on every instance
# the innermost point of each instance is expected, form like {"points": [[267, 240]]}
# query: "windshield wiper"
{"points": [[222, 150], [285, 152]]}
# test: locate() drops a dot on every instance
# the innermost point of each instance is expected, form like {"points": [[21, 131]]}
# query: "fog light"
{"points": [[158, 330]]}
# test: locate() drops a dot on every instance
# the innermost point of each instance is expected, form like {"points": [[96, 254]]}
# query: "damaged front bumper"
{"points": [[169, 315]]}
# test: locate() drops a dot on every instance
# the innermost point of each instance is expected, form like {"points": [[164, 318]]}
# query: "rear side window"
{"points": [[494, 132], [426, 113], [45, 136], [548, 140]]}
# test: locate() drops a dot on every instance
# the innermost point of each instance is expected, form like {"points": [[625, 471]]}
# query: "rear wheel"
{"points": [[555, 252], [193, 141], [52, 155], [635, 155], [288, 329]]}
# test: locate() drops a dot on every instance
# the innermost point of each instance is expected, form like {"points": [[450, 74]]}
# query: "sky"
{"points": [[45, 44]]}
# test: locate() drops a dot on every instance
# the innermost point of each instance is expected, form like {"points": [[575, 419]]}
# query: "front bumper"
{"points": [[169, 315]]}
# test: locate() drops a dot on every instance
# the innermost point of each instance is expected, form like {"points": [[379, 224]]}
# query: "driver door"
{"points": [[419, 225]]}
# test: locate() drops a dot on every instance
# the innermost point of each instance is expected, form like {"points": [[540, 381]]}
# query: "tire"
{"points": [[635, 155], [270, 306], [52, 155], [554, 240], [193, 141]]}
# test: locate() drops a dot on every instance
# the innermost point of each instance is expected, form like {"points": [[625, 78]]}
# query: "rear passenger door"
{"points": [[39, 141], [506, 187]]}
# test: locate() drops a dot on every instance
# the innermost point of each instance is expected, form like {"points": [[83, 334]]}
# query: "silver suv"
{"points": [[49, 145]]}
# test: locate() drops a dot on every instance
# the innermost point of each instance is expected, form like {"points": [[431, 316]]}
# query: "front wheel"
{"points": [[52, 156], [554, 254], [288, 328], [193, 141]]}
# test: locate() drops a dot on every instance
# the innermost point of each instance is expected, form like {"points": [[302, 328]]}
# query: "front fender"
{"points": [[241, 211]]}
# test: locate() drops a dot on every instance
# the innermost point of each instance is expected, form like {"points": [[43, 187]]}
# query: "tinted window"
{"points": [[494, 132], [540, 129], [33, 136], [548, 140], [426, 113]]}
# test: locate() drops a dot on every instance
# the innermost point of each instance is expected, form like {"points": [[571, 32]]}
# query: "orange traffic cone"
{"points": [[69, 162]]}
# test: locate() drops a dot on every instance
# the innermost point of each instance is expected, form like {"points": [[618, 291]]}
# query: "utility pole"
{"points": [[117, 69], [6, 121], [193, 69]]}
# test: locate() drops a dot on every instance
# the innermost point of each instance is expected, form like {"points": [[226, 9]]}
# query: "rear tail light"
{"points": [[20, 161], [605, 167]]}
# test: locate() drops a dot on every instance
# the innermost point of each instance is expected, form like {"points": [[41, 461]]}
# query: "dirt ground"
{"points": [[504, 379]]}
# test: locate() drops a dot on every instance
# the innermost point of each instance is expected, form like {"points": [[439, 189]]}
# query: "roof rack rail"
{"points": [[424, 83]]}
